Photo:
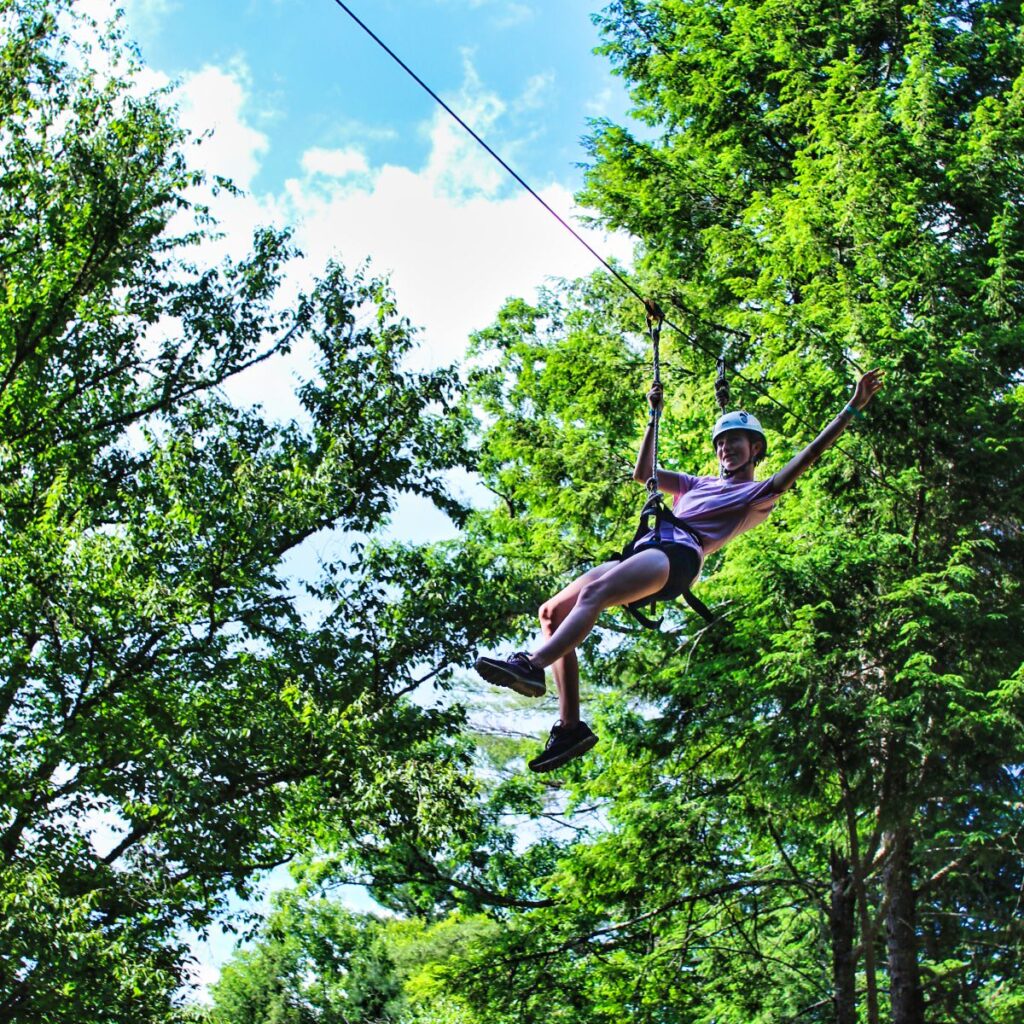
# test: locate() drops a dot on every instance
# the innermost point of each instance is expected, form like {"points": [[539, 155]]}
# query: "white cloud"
{"points": [[601, 104], [455, 239], [351, 128], [147, 15], [100, 10], [535, 93], [212, 103], [452, 261], [334, 163], [458, 166]]}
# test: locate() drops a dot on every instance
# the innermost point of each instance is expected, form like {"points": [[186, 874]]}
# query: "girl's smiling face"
{"points": [[735, 448]]}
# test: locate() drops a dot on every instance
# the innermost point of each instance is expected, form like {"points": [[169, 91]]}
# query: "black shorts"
{"points": [[683, 568]]}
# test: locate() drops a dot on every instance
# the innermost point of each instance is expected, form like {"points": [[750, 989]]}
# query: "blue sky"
{"points": [[326, 135], [316, 80]]}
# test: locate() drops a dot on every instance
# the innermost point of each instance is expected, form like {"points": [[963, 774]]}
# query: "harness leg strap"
{"points": [[698, 606]]}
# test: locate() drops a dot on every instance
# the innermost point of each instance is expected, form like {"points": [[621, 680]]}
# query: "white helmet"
{"points": [[740, 420]]}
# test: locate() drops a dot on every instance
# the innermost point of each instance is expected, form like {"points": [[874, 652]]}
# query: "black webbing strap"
{"points": [[655, 507], [644, 621], [698, 606], [655, 504], [687, 595]]}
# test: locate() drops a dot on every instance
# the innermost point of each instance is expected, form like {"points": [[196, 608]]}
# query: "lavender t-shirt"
{"points": [[715, 509]]}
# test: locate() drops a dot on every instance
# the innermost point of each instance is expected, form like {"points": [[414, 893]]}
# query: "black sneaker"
{"points": [[515, 672], [564, 743]]}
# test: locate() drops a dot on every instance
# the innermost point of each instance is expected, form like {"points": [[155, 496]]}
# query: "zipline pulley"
{"points": [[654, 321], [721, 385]]}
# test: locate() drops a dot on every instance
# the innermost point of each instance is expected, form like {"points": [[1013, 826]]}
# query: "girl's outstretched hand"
{"points": [[866, 388], [655, 396]]}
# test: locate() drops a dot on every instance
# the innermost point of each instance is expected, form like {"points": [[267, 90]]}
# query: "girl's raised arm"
{"points": [[866, 389], [645, 459]]}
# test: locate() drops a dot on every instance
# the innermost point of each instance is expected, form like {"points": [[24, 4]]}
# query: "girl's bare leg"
{"points": [[567, 678], [566, 669], [571, 614]]}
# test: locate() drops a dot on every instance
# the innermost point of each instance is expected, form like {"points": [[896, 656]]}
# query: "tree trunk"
{"points": [[842, 916], [906, 995]]}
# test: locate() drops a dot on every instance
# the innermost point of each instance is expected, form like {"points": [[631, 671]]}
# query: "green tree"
{"points": [[812, 813], [173, 716], [316, 961]]}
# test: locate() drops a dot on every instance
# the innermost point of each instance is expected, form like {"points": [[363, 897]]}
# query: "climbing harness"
{"points": [[654, 513]]}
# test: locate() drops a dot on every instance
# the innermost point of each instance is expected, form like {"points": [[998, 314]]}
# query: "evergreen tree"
{"points": [[812, 812]]}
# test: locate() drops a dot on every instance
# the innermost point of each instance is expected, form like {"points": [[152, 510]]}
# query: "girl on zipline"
{"points": [[707, 512]]}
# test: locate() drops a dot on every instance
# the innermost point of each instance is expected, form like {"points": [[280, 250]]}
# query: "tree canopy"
{"points": [[807, 812], [177, 714]]}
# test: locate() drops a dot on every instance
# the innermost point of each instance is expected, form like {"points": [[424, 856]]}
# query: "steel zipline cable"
{"points": [[455, 117], [617, 274]]}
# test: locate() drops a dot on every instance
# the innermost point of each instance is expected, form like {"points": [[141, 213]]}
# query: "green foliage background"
{"points": [[811, 813]]}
